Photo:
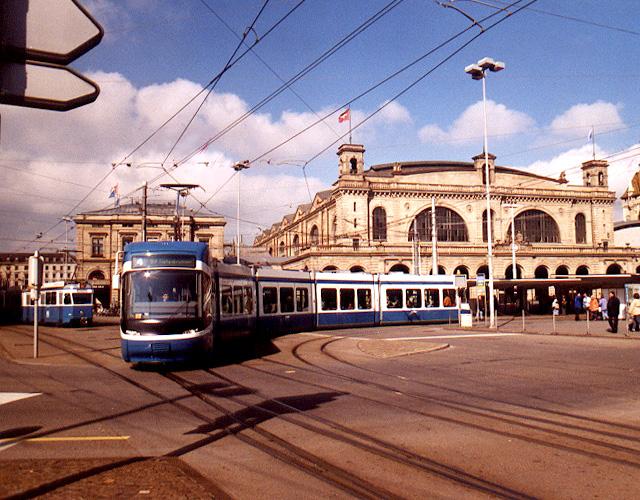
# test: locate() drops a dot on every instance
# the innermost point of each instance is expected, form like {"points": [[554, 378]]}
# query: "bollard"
{"points": [[588, 332], [555, 331], [523, 326]]}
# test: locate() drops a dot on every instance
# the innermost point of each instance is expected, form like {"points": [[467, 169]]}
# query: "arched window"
{"points": [[449, 225], [582, 271], [271, 251], [96, 275], [330, 269], [357, 269], [314, 235], [508, 272], [379, 224], [461, 270], [614, 269], [282, 252], [638, 270], [484, 225], [441, 270], [535, 226], [562, 271], [541, 272], [399, 268], [483, 270], [353, 163], [581, 228], [296, 245]]}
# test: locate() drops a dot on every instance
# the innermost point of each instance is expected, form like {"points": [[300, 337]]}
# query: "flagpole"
{"points": [[350, 140], [593, 141]]}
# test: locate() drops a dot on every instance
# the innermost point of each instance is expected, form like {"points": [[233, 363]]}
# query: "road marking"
{"points": [[62, 439], [469, 335], [9, 397]]}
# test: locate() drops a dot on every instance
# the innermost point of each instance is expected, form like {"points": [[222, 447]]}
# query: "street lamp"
{"points": [[479, 72], [238, 167]]}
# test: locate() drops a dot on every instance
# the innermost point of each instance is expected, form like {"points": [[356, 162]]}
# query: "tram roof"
{"points": [[199, 250]]}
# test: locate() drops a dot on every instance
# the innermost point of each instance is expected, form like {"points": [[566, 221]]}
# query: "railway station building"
{"points": [[379, 219], [101, 234]]}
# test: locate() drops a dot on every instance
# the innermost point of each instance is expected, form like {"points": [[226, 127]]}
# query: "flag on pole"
{"points": [[114, 192], [345, 115], [590, 136]]}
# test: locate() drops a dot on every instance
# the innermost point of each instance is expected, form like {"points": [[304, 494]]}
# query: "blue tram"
{"points": [[176, 304], [166, 301], [65, 304]]}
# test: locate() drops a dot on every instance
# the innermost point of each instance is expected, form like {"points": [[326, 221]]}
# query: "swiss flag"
{"points": [[344, 116]]}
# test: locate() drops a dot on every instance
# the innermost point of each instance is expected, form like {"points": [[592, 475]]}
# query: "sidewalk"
{"points": [[565, 325]]}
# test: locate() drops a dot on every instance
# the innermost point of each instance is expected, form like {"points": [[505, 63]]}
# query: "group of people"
{"points": [[601, 308]]}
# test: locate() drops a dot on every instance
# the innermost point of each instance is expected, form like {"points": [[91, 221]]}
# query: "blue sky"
{"points": [[569, 65]]}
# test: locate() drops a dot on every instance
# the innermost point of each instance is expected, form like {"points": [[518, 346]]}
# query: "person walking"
{"points": [[593, 308], [603, 307], [613, 309], [555, 306], [563, 305], [634, 313], [577, 306]]}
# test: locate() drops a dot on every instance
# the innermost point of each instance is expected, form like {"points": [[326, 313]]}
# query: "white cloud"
{"points": [[469, 127], [51, 160], [578, 120]]}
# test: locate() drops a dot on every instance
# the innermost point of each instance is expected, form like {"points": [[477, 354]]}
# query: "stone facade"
{"points": [[103, 233], [14, 269], [366, 220]]}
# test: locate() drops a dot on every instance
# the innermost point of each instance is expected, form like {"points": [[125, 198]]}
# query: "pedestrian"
{"points": [[613, 310], [586, 300], [563, 305], [555, 306], [594, 305], [634, 313], [577, 306], [603, 307]]}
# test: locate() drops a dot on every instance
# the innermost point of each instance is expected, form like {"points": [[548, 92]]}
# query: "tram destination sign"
{"points": [[144, 261]]}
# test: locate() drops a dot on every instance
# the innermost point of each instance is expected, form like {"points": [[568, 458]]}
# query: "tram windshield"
{"points": [[166, 301], [82, 298]]}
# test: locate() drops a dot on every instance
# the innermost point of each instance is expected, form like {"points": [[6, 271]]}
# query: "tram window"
{"points": [[269, 300], [206, 295], [226, 300], [364, 298], [347, 299], [67, 299], [247, 293], [413, 298], [286, 299], [431, 297], [329, 299], [50, 298], [302, 299], [394, 298], [238, 300], [448, 298]]}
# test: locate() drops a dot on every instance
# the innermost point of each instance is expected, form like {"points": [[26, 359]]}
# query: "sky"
{"points": [[570, 66]]}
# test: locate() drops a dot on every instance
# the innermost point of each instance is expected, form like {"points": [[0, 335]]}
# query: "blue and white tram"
{"points": [[234, 287], [66, 304], [286, 302], [346, 299], [408, 298], [166, 302]]}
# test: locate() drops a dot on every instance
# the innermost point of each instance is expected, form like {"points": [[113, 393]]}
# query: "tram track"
{"points": [[263, 440], [630, 456]]}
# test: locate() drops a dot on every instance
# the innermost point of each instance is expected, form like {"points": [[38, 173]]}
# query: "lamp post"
{"points": [[478, 71], [238, 167]]}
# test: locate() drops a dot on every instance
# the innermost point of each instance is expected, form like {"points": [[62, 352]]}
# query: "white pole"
{"points": [[238, 223], [514, 268], [492, 319], [434, 238]]}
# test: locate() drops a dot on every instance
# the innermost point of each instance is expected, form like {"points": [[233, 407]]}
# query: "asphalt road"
{"points": [[406, 412]]}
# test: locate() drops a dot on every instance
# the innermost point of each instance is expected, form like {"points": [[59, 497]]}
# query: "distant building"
{"points": [[370, 218], [14, 268], [627, 231], [102, 233]]}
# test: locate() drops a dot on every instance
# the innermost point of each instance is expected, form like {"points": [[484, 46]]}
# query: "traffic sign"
{"points": [[480, 279], [45, 86], [53, 31]]}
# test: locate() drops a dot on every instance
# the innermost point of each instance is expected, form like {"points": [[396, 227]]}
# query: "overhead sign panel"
{"points": [[45, 86], [54, 31]]}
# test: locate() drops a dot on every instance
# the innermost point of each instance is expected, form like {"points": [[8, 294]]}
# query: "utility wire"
{"points": [[302, 73]]}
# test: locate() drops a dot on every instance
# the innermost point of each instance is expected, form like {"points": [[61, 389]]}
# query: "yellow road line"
{"points": [[67, 438]]}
